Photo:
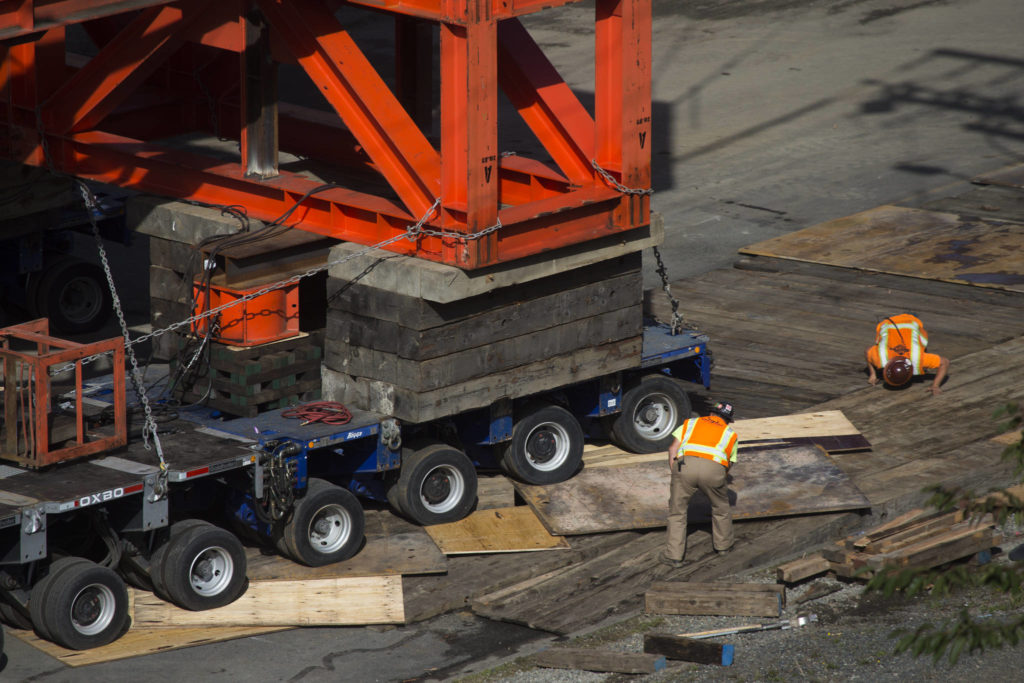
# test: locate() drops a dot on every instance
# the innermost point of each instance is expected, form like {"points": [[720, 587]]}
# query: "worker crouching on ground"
{"points": [[899, 352], [701, 453]]}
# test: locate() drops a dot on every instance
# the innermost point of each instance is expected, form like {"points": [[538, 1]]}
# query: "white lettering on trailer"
{"points": [[354, 435], [612, 402], [100, 497]]}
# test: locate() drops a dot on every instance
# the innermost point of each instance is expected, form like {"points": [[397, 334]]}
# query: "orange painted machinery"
{"points": [[170, 70]]}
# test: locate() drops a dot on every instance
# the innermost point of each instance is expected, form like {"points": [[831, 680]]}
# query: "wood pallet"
{"points": [[919, 539]]}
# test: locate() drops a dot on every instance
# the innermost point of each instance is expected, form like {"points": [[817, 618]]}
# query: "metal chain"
{"points": [[677, 320], [412, 233], [149, 429], [610, 179]]}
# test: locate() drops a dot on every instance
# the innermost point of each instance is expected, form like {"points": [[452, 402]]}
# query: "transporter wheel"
{"points": [[202, 568], [86, 606], [437, 484], [40, 593], [156, 560], [13, 616], [651, 410], [327, 525], [74, 295], [546, 446]]}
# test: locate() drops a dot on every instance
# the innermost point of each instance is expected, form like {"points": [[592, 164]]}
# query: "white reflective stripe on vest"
{"points": [[717, 453], [916, 345]]}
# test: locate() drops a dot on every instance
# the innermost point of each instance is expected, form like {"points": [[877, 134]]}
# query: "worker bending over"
{"points": [[701, 453], [899, 352]]}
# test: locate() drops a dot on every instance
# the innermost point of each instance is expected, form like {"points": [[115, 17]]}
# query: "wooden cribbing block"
{"points": [[906, 522], [724, 599], [963, 540], [800, 569], [604, 661], [688, 649], [915, 534]]}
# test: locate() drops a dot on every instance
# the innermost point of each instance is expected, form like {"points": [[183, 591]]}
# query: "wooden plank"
{"points": [[478, 362], [802, 568], [688, 649], [1012, 176], [914, 534], [388, 399], [992, 202], [818, 423], [393, 546], [418, 313], [772, 483], [520, 317], [494, 491], [315, 602], [604, 661], [508, 530], [953, 545], [723, 599], [142, 641], [910, 242]]}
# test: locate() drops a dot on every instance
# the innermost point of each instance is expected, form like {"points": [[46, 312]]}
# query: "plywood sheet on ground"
{"points": [[828, 428], [505, 530], [912, 242], [1007, 177], [763, 483], [393, 546], [141, 641], [315, 602]]}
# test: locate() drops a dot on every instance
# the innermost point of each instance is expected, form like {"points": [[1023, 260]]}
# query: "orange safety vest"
{"points": [[707, 437], [901, 335]]}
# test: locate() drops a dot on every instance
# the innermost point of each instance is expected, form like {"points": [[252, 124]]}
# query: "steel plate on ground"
{"points": [[763, 483]]}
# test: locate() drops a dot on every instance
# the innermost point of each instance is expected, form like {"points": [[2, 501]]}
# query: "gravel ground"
{"points": [[852, 639]]}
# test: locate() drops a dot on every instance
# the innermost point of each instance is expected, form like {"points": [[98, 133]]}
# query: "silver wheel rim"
{"points": [[329, 529], [211, 571], [442, 489], [654, 416], [80, 299], [93, 608], [547, 446]]}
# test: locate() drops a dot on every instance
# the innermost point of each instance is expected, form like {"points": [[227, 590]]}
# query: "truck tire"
{"points": [[40, 593], [156, 560], [74, 295], [13, 616], [651, 410], [327, 525], [87, 607], [546, 446], [437, 484], [202, 568]]}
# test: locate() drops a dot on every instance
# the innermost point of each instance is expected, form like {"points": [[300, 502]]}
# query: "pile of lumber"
{"points": [[463, 346], [919, 539]]}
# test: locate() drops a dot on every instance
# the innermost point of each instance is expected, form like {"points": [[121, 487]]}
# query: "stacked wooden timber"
{"points": [[919, 539], [420, 340], [245, 381]]}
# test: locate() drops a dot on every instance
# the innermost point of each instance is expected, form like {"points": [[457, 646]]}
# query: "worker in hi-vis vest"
{"points": [[701, 453], [899, 352]]}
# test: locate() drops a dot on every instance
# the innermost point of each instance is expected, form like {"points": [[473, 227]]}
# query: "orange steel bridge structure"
{"points": [[108, 117]]}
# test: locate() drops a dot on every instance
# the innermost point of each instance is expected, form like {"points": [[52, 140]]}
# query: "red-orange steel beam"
{"points": [[28, 16], [469, 136], [461, 11], [623, 100], [361, 98], [119, 68], [545, 102]]}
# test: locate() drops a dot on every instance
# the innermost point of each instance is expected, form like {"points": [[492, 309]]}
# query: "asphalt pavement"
{"points": [[769, 116]]}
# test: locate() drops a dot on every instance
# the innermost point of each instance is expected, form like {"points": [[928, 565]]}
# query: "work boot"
{"points": [[665, 559], [725, 551]]}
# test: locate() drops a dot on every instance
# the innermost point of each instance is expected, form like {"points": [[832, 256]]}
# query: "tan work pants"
{"points": [[709, 477]]}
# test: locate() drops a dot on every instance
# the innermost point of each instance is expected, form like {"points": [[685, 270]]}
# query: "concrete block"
{"points": [[178, 221]]}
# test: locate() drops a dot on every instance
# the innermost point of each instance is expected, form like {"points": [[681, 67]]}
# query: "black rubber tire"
{"points": [[327, 525], [437, 484], [39, 595], [87, 607], [156, 560], [202, 568], [74, 295], [651, 410], [12, 616], [546, 446]]}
